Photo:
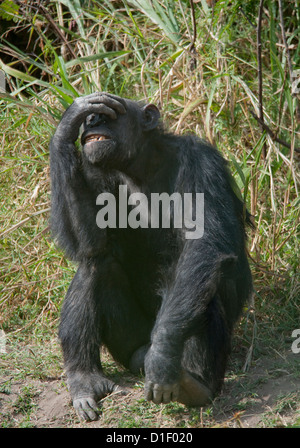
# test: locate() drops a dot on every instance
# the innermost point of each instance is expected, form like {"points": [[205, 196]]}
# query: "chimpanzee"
{"points": [[162, 300]]}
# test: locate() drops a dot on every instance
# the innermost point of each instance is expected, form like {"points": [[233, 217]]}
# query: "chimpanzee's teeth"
{"points": [[96, 138]]}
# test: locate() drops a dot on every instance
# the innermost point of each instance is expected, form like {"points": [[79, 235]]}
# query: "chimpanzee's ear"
{"points": [[150, 117]]}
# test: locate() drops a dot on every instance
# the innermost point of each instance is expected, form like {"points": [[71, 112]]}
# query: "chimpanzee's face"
{"points": [[101, 137], [110, 141]]}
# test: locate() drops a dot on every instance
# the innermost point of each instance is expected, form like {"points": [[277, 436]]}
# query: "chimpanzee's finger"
{"points": [[110, 101], [100, 108]]}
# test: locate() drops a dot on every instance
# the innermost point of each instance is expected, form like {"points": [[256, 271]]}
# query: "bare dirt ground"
{"points": [[268, 395]]}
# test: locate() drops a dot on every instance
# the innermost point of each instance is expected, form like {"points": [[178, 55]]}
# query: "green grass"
{"points": [[145, 54]]}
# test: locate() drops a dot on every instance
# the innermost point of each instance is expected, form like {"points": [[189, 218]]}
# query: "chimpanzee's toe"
{"points": [[192, 392], [87, 408]]}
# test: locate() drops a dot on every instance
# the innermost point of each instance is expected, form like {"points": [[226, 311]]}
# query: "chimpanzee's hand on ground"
{"points": [[166, 381], [162, 377]]}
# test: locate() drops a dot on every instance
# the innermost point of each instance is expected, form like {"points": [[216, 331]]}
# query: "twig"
{"points": [[285, 41], [260, 95], [194, 25], [56, 29], [246, 17], [42, 10], [273, 136], [7, 381], [251, 348], [192, 49], [23, 222]]}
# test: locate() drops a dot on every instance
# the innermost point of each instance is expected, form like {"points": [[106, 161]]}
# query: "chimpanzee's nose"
{"points": [[94, 120]]}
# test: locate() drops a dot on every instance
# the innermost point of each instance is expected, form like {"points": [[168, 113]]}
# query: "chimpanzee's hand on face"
{"points": [[98, 103]]}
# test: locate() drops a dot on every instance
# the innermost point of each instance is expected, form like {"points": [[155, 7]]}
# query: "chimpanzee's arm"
{"points": [[73, 204]]}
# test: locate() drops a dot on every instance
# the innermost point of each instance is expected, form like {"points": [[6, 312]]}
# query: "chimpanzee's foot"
{"points": [[192, 392], [137, 361], [86, 390]]}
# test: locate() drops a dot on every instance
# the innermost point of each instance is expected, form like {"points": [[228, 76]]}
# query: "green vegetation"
{"points": [[202, 65]]}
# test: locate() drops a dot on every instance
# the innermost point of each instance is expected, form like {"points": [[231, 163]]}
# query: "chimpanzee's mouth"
{"points": [[95, 138]]}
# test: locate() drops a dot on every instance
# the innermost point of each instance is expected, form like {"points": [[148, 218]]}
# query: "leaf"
{"points": [[9, 10], [163, 17], [95, 57], [20, 75]]}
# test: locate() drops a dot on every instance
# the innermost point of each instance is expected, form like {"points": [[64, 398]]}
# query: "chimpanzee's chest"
{"points": [[146, 257]]}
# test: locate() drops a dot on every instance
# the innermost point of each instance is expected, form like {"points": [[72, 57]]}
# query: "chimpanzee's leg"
{"points": [[191, 337], [204, 358], [203, 362], [205, 354], [99, 308]]}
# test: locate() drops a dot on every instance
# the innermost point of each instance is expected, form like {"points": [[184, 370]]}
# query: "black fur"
{"points": [[144, 292]]}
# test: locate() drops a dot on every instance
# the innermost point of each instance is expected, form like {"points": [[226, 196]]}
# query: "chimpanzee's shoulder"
{"points": [[195, 150]]}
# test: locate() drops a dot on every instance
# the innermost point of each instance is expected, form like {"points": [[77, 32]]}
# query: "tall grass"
{"points": [[203, 73]]}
